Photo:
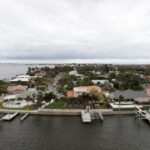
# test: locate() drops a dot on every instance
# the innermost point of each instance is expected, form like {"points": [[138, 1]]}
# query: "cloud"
{"points": [[62, 29]]}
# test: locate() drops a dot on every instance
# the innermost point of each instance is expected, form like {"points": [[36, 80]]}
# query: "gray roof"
{"points": [[27, 93], [142, 99], [129, 94]]}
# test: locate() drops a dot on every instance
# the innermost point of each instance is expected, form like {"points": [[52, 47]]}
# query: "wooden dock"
{"points": [[9, 117], [89, 115], [24, 117]]}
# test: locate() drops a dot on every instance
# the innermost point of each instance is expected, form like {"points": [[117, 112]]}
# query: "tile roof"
{"points": [[87, 88], [18, 87], [83, 89], [148, 90], [70, 94]]}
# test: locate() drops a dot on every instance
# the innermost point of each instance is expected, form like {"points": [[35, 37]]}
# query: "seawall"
{"points": [[67, 112]]}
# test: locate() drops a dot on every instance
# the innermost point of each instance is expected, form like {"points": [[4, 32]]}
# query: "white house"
{"points": [[75, 73], [23, 78], [102, 82]]}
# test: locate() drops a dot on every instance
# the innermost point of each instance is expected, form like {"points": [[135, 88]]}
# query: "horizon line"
{"points": [[138, 61]]}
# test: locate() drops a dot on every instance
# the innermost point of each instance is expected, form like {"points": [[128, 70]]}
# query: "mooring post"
{"points": [[0, 123], [0, 120]]}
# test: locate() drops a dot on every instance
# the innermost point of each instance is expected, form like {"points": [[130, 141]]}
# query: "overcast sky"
{"points": [[75, 29]]}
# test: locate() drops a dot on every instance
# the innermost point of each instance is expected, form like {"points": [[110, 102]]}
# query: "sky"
{"points": [[75, 29]]}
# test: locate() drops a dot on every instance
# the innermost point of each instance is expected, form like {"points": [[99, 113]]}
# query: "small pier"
{"points": [[89, 115], [9, 117], [86, 116], [24, 117], [142, 115]]}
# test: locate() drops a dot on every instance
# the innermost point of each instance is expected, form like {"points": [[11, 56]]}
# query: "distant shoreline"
{"points": [[76, 61]]}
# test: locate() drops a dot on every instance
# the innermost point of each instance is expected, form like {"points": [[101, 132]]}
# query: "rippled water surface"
{"points": [[69, 133]]}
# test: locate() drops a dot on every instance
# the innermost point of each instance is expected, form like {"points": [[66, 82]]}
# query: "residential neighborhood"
{"points": [[78, 86]]}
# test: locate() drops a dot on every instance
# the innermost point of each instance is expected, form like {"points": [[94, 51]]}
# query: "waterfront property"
{"points": [[142, 100], [22, 78], [23, 94], [16, 89], [123, 106], [16, 104], [73, 91], [77, 91], [128, 94]]}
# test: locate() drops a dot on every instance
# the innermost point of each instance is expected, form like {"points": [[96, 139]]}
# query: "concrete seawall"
{"points": [[67, 112]]}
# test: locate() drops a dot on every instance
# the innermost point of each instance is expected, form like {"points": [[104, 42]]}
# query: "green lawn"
{"points": [[63, 105], [56, 105]]}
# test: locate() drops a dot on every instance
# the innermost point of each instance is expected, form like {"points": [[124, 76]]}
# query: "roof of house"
{"points": [[40, 73], [148, 90], [70, 94], [142, 99], [87, 88], [129, 94], [17, 87], [100, 81], [29, 92], [83, 89]]}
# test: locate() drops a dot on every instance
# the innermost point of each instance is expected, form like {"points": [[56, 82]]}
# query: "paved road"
{"points": [[53, 87]]}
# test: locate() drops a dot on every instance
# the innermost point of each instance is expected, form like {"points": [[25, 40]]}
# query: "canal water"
{"points": [[69, 133]]}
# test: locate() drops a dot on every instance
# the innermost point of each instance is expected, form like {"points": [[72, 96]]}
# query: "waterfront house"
{"points": [[17, 89], [29, 93], [22, 78], [102, 82], [142, 100], [83, 89], [128, 94]]}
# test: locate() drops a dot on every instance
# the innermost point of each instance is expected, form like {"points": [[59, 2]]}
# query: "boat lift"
{"points": [[89, 115], [142, 115]]}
